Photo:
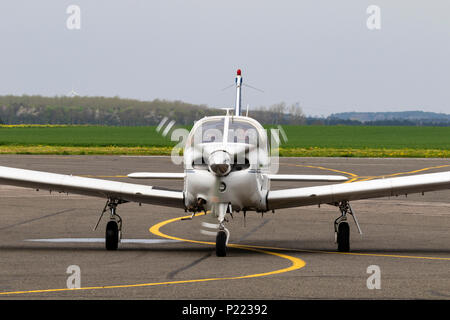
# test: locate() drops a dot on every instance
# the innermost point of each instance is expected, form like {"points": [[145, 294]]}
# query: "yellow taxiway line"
{"points": [[155, 230], [402, 173], [296, 264]]}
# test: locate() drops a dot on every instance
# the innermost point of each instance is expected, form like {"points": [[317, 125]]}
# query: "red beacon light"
{"points": [[238, 72]]}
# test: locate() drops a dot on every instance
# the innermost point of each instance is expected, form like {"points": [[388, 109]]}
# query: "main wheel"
{"points": [[343, 237], [112, 236], [221, 244]]}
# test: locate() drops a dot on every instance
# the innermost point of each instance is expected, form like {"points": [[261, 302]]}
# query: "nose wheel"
{"points": [[221, 243], [220, 210]]}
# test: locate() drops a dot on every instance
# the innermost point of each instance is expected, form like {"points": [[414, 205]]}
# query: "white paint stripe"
{"points": [[101, 240], [150, 241]]}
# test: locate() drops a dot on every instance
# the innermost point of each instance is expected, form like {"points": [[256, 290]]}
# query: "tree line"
{"points": [[116, 111]]}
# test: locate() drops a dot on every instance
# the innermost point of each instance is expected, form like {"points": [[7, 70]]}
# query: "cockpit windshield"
{"points": [[211, 131], [239, 131], [242, 132]]}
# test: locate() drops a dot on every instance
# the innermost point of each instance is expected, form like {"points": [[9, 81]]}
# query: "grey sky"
{"points": [[319, 53]]}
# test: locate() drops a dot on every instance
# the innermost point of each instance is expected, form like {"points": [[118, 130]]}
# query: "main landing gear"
{"points": [[113, 233], [341, 227]]}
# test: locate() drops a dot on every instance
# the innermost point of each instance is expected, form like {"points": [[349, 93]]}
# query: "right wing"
{"points": [[306, 177], [91, 187], [334, 193]]}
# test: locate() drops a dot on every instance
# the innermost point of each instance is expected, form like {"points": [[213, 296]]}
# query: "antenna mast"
{"points": [[237, 109]]}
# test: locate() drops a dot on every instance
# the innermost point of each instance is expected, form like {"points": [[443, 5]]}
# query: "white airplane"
{"points": [[227, 169]]}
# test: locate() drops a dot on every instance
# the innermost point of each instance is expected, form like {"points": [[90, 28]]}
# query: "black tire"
{"points": [[221, 244], [112, 236], [343, 237]]}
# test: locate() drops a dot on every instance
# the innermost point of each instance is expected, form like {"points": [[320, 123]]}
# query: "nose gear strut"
{"points": [[220, 210]]}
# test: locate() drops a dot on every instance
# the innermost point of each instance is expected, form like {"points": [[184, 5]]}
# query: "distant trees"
{"points": [[124, 112], [128, 112], [97, 111], [280, 113], [296, 114]]}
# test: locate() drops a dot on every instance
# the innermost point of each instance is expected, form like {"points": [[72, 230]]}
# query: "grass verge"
{"points": [[284, 152], [364, 153]]}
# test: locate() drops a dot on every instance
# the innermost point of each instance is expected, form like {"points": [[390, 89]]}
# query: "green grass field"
{"points": [[82, 136], [347, 141], [360, 137]]}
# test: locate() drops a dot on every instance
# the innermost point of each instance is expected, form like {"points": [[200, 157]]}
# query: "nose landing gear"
{"points": [[221, 243], [220, 210]]}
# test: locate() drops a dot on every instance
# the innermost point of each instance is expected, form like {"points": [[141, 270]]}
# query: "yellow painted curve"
{"points": [[296, 264]]}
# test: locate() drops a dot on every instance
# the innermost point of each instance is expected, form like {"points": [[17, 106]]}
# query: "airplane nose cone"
{"points": [[219, 163]]}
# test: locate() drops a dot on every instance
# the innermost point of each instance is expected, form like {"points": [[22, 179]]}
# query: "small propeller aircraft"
{"points": [[227, 169]]}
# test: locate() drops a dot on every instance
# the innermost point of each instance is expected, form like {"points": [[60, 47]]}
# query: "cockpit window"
{"points": [[238, 132], [212, 131], [242, 132]]}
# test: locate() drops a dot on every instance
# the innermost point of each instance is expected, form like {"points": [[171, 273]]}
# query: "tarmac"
{"points": [[403, 253]]}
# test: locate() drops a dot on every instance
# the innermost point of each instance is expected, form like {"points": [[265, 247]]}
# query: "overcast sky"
{"points": [[318, 53]]}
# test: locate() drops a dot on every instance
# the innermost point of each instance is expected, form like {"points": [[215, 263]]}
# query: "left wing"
{"points": [[157, 175], [91, 187], [297, 197]]}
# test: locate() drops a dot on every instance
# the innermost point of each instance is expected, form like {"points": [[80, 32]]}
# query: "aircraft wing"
{"points": [[90, 187], [157, 175], [330, 194], [305, 177], [273, 177]]}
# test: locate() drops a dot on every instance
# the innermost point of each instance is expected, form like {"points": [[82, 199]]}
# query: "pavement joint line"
{"points": [[36, 219]]}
